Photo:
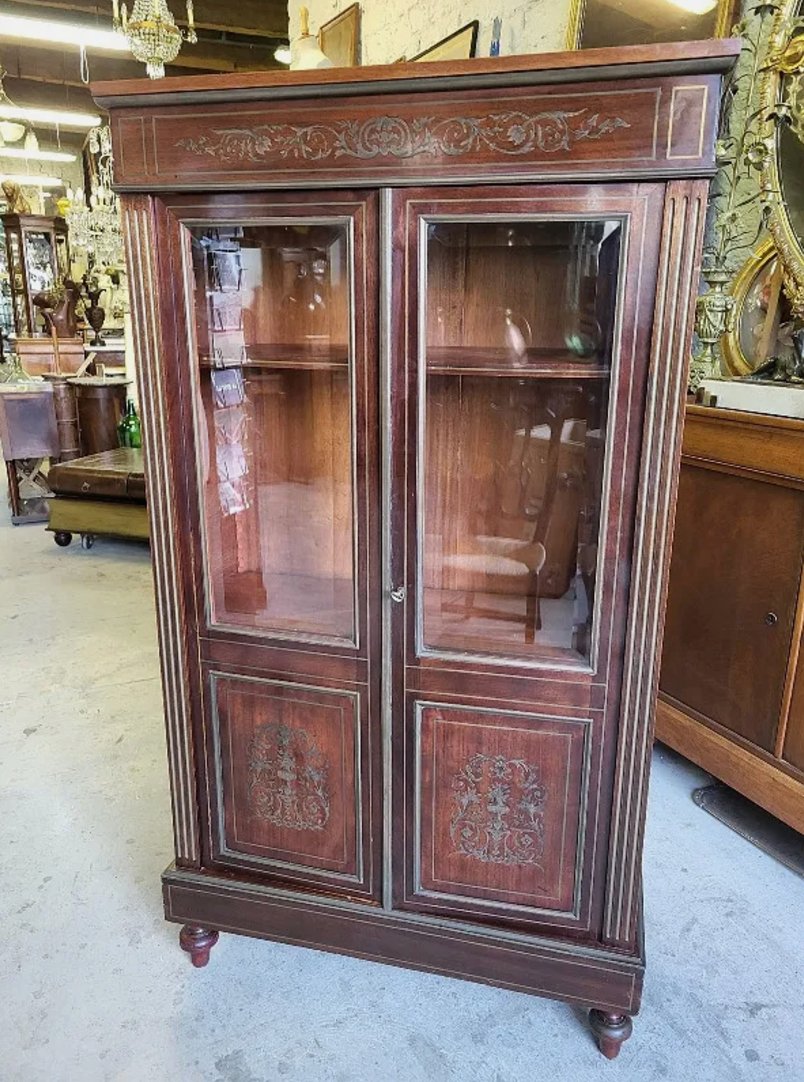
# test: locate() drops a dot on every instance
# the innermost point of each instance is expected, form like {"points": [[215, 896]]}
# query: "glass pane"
{"points": [[272, 314], [520, 321], [39, 258]]}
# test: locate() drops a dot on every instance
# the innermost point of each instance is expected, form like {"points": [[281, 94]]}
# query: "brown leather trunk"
{"points": [[110, 475]]}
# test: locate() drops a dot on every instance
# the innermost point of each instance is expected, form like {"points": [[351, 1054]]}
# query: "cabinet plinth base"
{"points": [[557, 967], [611, 1029], [198, 942]]}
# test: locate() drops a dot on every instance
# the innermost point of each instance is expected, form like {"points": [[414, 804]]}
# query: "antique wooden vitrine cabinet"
{"points": [[412, 346]]}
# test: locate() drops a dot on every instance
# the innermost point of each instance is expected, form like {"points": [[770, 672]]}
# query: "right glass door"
{"points": [[522, 347], [518, 331]]}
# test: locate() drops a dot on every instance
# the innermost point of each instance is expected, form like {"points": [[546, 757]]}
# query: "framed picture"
{"points": [[339, 39], [458, 46], [599, 23]]}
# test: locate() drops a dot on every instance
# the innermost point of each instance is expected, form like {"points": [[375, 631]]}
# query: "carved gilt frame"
{"points": [[780, 106]]}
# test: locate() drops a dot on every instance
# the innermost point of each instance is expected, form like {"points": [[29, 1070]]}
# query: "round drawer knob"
{"points": [[771, 619]]}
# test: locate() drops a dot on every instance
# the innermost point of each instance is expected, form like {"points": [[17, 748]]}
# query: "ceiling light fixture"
{"points": [[56, 117], [55, 32], [37, 156]]}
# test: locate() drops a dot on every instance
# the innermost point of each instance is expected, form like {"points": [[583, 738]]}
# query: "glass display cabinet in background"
{"points": [[412, 350], [37, 257], [6, 304]]}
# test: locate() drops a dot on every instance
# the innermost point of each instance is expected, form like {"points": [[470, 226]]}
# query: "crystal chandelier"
{"points": [[95, 222], [152, 33]]}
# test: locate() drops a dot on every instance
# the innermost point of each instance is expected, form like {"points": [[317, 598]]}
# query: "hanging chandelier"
{"points": [[94, 220], [152, 34]]}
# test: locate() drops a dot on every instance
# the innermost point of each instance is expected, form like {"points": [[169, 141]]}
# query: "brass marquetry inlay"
{"points": [[512, 132], [288, 778], [498, 815]]}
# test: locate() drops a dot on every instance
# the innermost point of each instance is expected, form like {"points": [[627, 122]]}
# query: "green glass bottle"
{"points": [[129, 432]]}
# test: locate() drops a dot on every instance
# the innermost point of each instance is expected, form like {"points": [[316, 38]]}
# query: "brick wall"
{"points": [[394, 28]]}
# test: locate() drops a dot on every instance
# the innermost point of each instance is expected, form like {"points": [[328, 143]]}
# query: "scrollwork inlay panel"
{"points": [[288, 778], [498, 815], [512, 132]]}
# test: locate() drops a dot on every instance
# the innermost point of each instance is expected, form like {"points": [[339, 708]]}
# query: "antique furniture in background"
{"points": [[732, 682], [29, 438], [69, 439], [99, 495], [412, 408], [38, 259], [100, 402], [745, 316], [600, 23]]}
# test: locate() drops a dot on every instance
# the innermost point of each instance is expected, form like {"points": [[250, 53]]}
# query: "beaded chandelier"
{"points": [[152, 33]]}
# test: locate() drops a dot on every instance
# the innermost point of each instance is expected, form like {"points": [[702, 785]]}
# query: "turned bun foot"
{"points": [[198, 942], [610, 1030]]}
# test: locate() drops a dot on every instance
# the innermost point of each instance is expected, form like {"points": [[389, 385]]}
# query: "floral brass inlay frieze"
{"points": [[498, 815], [512, 133], [287, 778]]}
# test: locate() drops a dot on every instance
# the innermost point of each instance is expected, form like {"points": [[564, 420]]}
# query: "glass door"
{"points": [[277, 395], [273, 326], [525, 367]]}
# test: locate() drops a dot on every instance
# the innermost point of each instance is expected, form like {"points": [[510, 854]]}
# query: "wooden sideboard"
{"points": [[411, 469], [732, 681]]}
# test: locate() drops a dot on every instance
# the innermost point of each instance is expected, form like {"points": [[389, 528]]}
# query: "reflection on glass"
{"points": [[519, 332], [272, 316], [39, 260], [645, 22]]}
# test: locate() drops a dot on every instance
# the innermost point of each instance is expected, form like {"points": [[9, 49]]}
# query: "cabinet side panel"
{"points": [[682, 230], [165, 534]]}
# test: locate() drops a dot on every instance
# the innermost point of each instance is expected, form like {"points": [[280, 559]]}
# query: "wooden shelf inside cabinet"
{"points": [[536, 364], [299, 357]]}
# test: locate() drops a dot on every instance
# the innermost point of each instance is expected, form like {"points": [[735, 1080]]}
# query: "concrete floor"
{"points": [[94, 987]]}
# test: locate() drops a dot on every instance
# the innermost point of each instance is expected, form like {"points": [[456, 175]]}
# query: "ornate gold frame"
{"points": [[785, 57], [734, 359], [725, 19]]}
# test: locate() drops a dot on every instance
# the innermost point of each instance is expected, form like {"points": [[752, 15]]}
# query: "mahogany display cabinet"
{"points": [[412, 343]]}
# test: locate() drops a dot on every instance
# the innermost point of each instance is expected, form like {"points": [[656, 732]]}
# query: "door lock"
{"points": [[398, 594]]}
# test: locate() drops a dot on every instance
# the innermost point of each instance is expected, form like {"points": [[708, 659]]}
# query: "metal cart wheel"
{"points": [[87, 540]]}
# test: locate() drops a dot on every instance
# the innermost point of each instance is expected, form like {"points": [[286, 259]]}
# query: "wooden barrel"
{"points": [[100, 404]]}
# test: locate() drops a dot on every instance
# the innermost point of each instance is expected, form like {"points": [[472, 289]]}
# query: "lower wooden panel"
{"points": [[288, 778], [582, 975], [757, 779], [499, 799]]}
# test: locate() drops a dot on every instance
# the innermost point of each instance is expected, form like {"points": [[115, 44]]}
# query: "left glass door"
{"points": [[278, 387], [275, 374]]}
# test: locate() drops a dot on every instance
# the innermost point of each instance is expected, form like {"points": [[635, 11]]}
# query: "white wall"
{"points": [[394, 28]]}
